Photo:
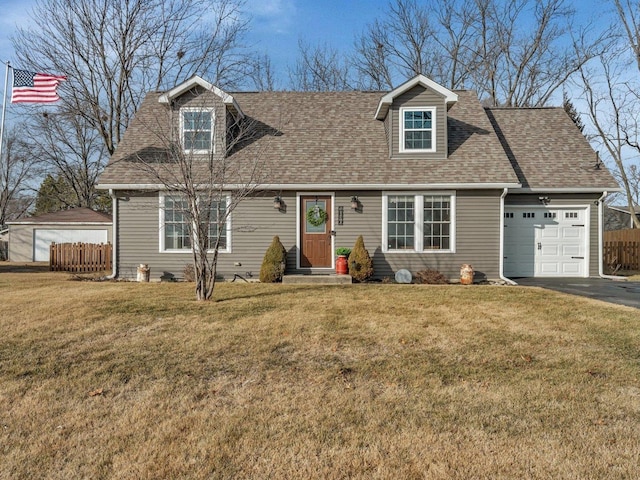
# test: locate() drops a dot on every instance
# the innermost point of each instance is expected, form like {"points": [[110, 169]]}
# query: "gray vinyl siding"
{"points": [[255, 222], [558, 200], [253, 226], [420, 97], [477, 242]]}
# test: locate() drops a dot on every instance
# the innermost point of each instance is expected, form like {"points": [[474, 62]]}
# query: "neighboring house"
{"points": [[30, 238], [617, 217], [437, 181]]}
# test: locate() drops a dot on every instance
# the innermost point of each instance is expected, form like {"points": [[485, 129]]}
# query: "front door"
{"points": [[315, 232]]}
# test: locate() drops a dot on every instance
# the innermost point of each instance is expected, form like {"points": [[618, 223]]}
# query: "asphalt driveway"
{"points": [[612, 291]]}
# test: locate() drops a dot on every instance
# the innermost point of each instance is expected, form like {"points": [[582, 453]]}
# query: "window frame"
{"points": [[401, 139], [211, 112], [162, 249], [418, 199]]}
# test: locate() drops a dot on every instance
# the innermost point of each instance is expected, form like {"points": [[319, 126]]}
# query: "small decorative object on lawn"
{"points": [[403, 276], [143, 272], [466, 274], [316, 216], [342, 267]]}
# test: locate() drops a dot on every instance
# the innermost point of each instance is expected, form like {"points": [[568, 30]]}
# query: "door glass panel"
{"points": [[316, 207]]}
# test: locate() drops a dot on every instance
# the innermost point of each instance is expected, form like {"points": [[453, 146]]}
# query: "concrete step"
{"points": [[333, 279]]}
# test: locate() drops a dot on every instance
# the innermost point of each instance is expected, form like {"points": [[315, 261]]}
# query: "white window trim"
{"points": [[433, 130], [161, 197], [419, 222], [213, 128]]}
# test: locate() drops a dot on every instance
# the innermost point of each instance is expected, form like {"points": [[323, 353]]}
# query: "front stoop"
{"points": [[317, 279]]}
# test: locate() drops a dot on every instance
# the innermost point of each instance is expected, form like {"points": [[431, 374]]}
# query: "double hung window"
{"points": [[419, 222], [197, 130], [176, 226], [417, 129]]}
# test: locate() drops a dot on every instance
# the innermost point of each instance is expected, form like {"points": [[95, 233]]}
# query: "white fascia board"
{"points": [[331, 186], [197, 81], [567, 190], [383, 106]]}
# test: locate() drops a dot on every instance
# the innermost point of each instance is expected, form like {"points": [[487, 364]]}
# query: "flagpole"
{"points": [[4, 107]]}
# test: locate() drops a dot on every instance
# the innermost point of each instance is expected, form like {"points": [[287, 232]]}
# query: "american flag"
{"points": [[30, 87]]}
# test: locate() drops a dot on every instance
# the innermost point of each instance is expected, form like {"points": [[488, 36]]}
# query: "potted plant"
{"points": [[342, 267]]}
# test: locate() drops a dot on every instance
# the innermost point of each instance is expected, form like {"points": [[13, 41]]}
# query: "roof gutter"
{"points": [[114, 235], [508, 281], [601, 241], [327, 186]]}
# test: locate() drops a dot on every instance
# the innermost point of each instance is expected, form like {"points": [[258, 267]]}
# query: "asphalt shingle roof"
{"points": [[73, 215], [332, 138], [547, 150]]}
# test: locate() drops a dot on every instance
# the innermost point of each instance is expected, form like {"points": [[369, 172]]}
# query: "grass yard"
{"points": [[138, 381]]}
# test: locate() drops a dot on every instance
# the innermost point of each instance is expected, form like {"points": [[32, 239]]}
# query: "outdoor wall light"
{"points": [[544, 200], [355, 203], [278, 202]]}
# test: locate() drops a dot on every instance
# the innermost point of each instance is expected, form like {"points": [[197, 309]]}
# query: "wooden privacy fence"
{"points": [[80, 257], [621, 249]]}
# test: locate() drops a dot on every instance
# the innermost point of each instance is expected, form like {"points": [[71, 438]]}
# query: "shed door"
{"points": [[545, 242], [42, 238], [315, 236]]}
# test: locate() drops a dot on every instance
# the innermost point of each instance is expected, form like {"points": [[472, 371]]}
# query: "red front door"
{"points": [[315, 221]]}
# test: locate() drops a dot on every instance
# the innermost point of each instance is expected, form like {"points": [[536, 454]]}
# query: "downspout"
{"points": [[508, 281], [601, 241], [114, 234]]}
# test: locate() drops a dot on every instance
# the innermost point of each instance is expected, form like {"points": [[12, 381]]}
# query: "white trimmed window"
{"points": [[174, 224], [419, 222], [418, 129], [197, 129]]}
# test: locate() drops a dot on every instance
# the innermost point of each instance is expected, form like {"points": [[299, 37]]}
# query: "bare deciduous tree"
{"points": [[114, 51], [17, 169], [319, 69], [612, 110], [67, 147], [513, 52], [206, 187], [610, 91]]}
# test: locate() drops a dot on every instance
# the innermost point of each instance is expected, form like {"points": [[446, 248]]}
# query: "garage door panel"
{"points": [[571, 251], [43, 237], [549, 268], [572, 232]]}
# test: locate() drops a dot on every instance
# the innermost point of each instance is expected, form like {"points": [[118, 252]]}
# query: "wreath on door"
{"points": [[316, 216]]}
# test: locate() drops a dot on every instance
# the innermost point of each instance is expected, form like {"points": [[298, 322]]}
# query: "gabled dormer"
{"points": [[415, 117], [202, 115]]}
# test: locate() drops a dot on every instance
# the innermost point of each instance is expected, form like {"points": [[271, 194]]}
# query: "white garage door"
{"points": [[42, 238], [545, 242]]}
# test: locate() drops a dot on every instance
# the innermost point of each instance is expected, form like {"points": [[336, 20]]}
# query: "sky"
{"points": [[276, 25]]}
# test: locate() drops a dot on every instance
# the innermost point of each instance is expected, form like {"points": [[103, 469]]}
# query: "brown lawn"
{"points": [[126, 380]]}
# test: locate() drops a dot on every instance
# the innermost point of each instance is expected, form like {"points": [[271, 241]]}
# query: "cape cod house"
{"points": [[428, 176]]}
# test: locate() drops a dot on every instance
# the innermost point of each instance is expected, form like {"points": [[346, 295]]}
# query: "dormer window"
{"points": [[417, 129], [197, 129]]}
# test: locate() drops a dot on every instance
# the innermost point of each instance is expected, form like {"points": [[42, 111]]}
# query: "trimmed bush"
{"points": [[274, 262], [360, 263]]}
